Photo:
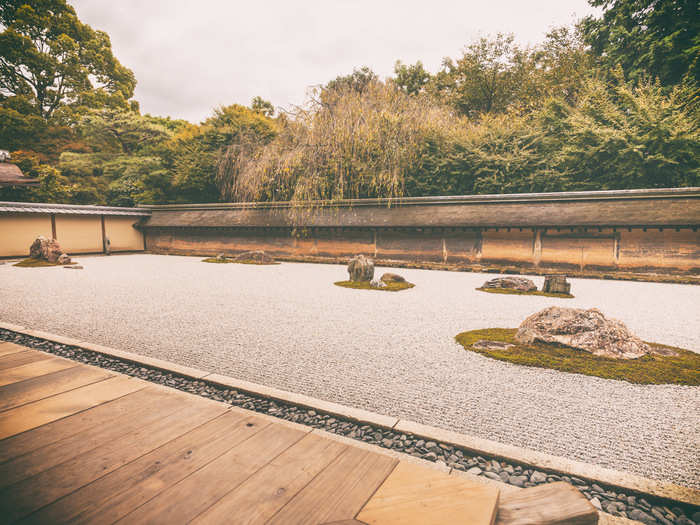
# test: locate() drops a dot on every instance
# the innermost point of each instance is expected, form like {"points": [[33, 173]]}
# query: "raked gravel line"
{"points": [[287, 326]]}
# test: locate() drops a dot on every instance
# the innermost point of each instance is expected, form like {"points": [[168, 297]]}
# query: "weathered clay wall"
{"points": [[667, 251], [18, 231], [79, 234], [78, 229], [122, 235], [619, 231]]}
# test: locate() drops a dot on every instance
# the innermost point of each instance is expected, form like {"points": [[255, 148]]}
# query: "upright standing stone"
{"points": [[361, 269], [556, 284]]}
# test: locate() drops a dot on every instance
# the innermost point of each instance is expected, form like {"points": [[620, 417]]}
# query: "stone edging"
{"points": [[480, 446]]}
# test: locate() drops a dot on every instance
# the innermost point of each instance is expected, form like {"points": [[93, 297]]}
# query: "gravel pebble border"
{"points": [[640, 507]]}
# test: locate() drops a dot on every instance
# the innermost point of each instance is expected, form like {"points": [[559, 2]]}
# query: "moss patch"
{"points": [[37, 263], [510, 291], [390, 287], [681, 369], [225, 261]]}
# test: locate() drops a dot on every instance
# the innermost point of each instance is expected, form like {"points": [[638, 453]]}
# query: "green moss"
{"points": [[364, 285], [225, 261], [36, 263], [510, 291], [681, 369]]}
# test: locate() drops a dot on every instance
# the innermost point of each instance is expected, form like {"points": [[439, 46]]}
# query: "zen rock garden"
{"points": [[47, 252], [554, 286], [361, 273]]}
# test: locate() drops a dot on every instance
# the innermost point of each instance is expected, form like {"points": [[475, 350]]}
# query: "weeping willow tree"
{"points": [[345, 143]]}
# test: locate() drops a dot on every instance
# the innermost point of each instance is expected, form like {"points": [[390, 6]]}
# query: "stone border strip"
{"points": [[480, 446]]}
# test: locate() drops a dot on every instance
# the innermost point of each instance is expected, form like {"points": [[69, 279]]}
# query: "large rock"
{"points": [[361, 269], [556, 284], [587, 330], [511, 283], [257, 256], [392, 278], [46, 249]]}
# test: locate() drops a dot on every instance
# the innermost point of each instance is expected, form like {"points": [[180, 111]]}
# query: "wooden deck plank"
{"points": [[36, 369], [551, 504], [118, 493], [22, 358], [197, 492], [41, 412], [271, 487], [25, 497], [340, 491], [48, 385], [152, 407], [55, 431], [416, 495], [7, 348]]}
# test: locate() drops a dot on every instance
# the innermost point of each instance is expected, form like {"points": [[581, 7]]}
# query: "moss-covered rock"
{"points": [[37, 263]]}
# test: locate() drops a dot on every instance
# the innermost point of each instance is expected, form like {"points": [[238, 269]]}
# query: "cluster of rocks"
{"points": [[609, 499], [361, 269], [552, 284], [48, 250], [520, 284], [256, 256]]}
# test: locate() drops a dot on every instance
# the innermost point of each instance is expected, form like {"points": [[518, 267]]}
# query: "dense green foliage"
{"points": [[660, 38], [611, 103], [680, 369]]}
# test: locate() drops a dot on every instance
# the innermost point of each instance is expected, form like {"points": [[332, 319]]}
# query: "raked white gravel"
{"points": [[287, 326]]}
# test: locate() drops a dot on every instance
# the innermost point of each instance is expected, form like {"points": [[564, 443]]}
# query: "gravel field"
{"points": [[394, 353]]}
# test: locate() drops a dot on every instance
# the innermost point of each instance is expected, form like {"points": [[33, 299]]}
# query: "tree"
{"points": [[647, 37], [262, 106], [195, 152], [358, 80], [347, 143], [411, 78], [486, 78], [55, 62], [623, 136], [122, 132]]}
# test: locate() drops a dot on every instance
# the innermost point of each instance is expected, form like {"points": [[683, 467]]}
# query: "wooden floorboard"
{"points": [[274, 485], [113, 496], [340, 491], [36, 388], [16, 446], [414, 495], [36, 369], [153, 406], [84, 445], [27, 496], [196, 493], [50, 409], [22, 358], [11, 348]]}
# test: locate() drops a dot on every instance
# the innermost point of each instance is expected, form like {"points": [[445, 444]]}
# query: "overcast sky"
{"points": [[192, 55]]}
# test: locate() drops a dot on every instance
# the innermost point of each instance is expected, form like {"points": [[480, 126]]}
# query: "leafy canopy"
{"points": [[54, 62], [660, 38]]}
